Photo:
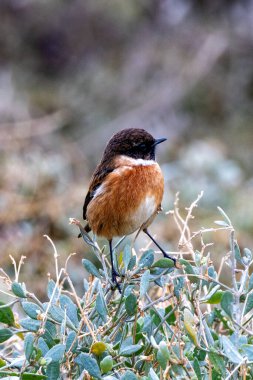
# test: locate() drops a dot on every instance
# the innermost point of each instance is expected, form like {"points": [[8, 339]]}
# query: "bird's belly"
{"points": [[126, 202]]}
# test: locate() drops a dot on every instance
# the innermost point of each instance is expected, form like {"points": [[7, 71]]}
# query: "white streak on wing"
{"points": [[99, 190]]}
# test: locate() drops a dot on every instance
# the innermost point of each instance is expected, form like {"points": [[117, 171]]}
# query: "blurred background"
{"points": [[74, 72]]}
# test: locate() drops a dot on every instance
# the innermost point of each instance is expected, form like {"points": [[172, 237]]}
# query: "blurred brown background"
{"points": [[74, 72]]}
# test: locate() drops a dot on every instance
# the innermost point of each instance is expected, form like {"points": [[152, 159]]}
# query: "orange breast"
{"points": [[128, 199]]}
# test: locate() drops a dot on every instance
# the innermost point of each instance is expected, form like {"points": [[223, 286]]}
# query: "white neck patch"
{"points": [[136, 161]]}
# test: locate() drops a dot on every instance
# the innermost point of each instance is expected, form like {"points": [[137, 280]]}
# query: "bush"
{"points": [[167, 323]]}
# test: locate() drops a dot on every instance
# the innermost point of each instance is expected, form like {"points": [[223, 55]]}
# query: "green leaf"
{"points": [[7, 374], [6, 315], [128, 375], [130, 350], [231, 351], [197, 369], [90, 267], [146, 259], [144, 284], [218, 363], [215, 298], [56, 353], [227, 303], [5, 334], [85, 361], [106, 364], [163, 263], [28, 345], [131, 304], [171, 318], [31, 309], [190, 326], [101, 307], [188, 268], [32, 376], [249, 303], [18, 289], [53, 371]]}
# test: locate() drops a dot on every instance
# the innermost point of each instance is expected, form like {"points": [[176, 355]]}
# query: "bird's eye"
{"points": [[142, 146]]}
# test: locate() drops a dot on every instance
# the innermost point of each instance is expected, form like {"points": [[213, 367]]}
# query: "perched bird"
{"points": [[126, 189]]}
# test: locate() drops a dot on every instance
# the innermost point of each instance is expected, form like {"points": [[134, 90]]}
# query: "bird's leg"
{"points": [[114, 272], [161, 249]]}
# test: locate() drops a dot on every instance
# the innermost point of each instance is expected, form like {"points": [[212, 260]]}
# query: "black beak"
{"points": [[159, 141]]}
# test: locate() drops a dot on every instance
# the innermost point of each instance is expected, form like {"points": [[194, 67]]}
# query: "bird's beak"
{"points": [[159, 141]]}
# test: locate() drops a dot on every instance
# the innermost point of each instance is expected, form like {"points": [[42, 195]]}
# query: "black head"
{"points": [[132, 142]]}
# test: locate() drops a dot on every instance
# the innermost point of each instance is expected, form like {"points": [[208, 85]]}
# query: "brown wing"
{"points": [[97, 179]]}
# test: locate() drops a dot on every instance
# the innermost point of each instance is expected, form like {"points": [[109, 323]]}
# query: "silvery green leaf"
{"points": [[247, 256], [144, 283], [153, 375], [130, 350], [237, 253], [90, 267], [85, 285], [227, 303], [222, 212], [218, 362], [71, 341], [251, 282], [31, 309], [30, 324], [127, 254], [128, 375], [53, 371], [221, 223], [18, 289], [231, 351], [71, 309], [56, 353], [131, 304], [28, 345], [146, 259], [43, 346], [248, 350], [53, 291], [101, 307], [249, 303], [85, 361], [132, 263]]}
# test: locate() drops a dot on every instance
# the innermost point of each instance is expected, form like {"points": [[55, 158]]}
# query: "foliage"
{"points": [[167, 322]]}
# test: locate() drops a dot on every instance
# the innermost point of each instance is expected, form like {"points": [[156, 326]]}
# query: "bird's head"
{"points": [[133, 142]]}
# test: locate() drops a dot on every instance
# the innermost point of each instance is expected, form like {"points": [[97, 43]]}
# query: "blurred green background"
{"points": [[74, 72]]}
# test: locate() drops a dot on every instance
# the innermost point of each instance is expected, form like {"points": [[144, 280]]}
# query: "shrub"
{"points": [[167, 323]]}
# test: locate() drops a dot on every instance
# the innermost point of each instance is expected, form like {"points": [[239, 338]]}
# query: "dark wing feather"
{"points": [[97, 179]]}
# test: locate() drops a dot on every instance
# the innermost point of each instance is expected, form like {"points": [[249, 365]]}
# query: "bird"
{"points": [[125, 190]]}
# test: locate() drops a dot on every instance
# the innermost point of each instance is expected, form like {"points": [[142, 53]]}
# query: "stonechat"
{"points": [[126, 189]]}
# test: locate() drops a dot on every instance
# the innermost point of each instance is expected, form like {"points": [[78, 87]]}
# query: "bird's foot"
{"points": [[115, 281]]}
